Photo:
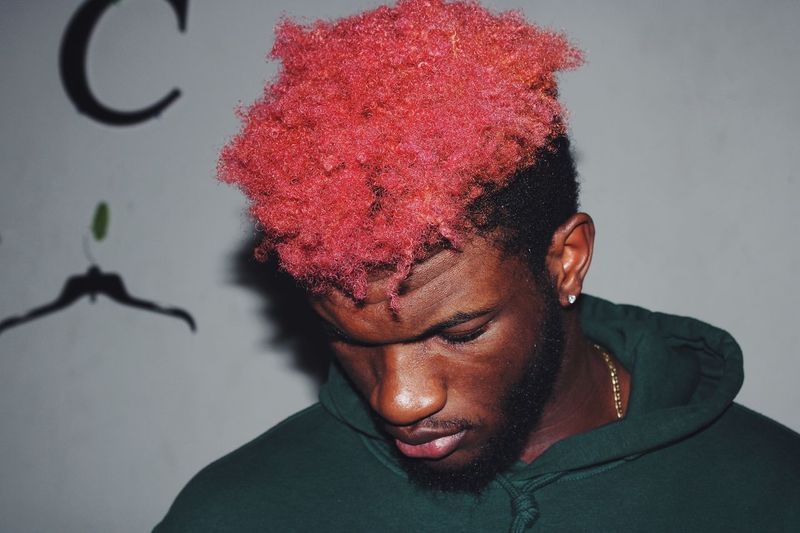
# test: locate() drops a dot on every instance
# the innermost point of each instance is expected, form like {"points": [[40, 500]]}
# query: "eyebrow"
{"points": [[457, 319]]}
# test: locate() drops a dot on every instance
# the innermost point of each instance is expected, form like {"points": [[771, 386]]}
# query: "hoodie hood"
{"points": [[684, 374]]}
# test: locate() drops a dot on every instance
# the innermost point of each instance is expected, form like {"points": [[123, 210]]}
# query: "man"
{"points": [[410, 168]]}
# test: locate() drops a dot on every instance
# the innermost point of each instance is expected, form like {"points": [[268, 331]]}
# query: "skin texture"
{"points": [[463, 337]]}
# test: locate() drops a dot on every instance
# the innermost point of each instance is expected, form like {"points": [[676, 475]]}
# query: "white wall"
{"points": [[685, 119]]}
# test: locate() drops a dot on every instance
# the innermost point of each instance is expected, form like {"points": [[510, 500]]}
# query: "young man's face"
{"points": [[458, 374]]}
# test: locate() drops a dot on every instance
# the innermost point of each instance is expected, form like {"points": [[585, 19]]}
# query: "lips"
{"points": [[432, 449]]}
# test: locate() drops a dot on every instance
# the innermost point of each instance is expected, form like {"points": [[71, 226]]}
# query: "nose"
{"points": [[409, 389]]}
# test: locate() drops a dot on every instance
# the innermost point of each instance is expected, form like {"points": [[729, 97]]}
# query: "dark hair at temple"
{"points": [[536, 201]]}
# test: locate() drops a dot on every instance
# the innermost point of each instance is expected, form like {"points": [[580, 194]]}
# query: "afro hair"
{"points": [[381, 129]]}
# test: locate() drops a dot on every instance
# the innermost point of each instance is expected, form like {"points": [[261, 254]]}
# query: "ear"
{"points": [[570, 255]]}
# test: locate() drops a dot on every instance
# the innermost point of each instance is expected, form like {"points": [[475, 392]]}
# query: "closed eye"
{"points": [[334, 334], [463, 338]]}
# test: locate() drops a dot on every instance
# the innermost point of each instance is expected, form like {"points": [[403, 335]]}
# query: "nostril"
{"points": [[408, 387]]}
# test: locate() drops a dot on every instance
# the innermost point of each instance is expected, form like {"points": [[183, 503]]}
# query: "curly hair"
{"points": [[383, 131]]}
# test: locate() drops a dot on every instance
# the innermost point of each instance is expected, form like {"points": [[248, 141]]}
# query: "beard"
{"points": [[521, 408]]}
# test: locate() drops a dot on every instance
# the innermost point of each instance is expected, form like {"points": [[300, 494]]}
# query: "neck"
{"points": [[582, 397]]}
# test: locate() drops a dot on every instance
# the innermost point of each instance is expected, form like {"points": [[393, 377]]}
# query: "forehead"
{"points": [[477, 277]]}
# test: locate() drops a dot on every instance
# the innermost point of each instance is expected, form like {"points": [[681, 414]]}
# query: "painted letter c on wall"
{"points": [[72, 66]]}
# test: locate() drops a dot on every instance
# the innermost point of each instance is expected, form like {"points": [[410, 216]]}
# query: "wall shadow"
{"points": [[285, 304]]}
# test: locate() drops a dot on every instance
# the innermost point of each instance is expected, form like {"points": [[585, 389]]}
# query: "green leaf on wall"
{"points": [[100, 221]]}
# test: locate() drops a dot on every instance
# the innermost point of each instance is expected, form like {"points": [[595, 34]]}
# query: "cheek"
{"points": [[479, 378], [500, 354], [476, 375]]}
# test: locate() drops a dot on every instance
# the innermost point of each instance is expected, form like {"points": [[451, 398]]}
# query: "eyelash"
{"points": [[335, 335], [464, 337]]}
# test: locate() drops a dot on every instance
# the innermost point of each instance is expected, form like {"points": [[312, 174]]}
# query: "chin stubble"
{"points": [[521, 408]]}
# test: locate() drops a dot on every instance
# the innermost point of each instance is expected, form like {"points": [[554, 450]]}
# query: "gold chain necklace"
{"points": [[612, 369]]}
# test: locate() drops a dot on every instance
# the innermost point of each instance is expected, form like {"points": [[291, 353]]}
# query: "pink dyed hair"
{"points": [[381, 128]]}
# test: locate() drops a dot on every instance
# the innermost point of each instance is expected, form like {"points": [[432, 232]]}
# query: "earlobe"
{"points": [[570, 255]]}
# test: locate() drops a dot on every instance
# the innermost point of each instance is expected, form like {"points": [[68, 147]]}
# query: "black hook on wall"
{"points": [[96, 282], [92, 284]]}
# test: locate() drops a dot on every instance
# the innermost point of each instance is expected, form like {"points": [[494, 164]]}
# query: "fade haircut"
{"points": [[529, 209]]}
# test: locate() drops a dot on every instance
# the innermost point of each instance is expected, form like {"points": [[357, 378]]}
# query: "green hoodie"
{"points": [[685, 458]]}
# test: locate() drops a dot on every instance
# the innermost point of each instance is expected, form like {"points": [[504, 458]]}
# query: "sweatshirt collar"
{"points": [[684, 374]]}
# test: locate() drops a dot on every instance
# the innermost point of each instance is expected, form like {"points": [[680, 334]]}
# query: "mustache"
{"points": [[455, 424]]}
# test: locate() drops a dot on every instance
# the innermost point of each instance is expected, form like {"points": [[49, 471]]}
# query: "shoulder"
{"points": [[759, 442], [755, 461], [294, 441], [745, 457], [263, 479]]}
